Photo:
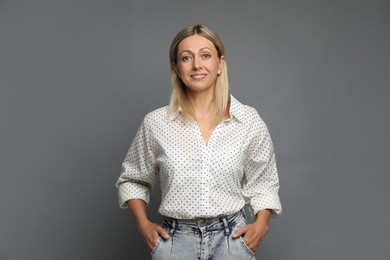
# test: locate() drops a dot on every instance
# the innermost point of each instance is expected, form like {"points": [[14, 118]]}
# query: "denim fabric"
{"points": [[203, 239]]}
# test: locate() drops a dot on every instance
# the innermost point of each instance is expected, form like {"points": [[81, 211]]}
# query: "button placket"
{"points": [[206, 178], [203, 176]]}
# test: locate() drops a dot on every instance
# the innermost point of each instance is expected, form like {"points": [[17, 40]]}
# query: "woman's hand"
{"points": [[254, 233], [151, 232]]}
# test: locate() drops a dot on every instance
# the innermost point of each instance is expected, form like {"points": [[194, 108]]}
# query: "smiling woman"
{"points": [[198, 65], [215, 50], [213, 155]]}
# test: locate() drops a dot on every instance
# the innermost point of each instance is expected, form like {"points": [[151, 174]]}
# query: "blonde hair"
{"points": [[179, 93]]}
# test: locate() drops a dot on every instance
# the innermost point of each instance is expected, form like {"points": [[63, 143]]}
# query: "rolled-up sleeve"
{"points": [[138, 174], [261, 181]]}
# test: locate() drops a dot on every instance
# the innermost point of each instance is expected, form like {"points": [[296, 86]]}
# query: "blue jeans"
{"points": [[203, 239]]}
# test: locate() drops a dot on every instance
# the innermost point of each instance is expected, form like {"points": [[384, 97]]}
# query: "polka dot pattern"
{"points": [[236, 167]]}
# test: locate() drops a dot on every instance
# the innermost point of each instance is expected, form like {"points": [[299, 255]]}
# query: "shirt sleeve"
{"points": [[138, 174], [261, 181]]}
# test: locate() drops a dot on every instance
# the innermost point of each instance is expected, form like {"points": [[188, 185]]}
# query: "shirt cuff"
{"points": [[271, 202], [131, 190]]}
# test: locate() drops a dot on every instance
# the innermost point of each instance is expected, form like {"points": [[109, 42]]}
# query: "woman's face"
{"points": [[198, 64]]}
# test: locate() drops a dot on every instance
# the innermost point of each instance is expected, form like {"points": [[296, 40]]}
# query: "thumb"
{"points": [[239, 232]]}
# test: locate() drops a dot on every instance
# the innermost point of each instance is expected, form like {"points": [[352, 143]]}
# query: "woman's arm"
{"points": [[149, 230], [261, 182]]}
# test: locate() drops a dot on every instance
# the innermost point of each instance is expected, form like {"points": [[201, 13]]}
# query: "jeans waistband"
{"points": [[203, 224]]}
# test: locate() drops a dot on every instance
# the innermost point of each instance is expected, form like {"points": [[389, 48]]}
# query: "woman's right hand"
{"points": [[151, 232]]}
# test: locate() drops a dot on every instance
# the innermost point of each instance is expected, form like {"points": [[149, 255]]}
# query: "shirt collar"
{"points": [[236, 110]]}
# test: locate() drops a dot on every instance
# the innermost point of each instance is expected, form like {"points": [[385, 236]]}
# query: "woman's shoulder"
{"points": [[249, 117], [158, 115], [244, 112]]}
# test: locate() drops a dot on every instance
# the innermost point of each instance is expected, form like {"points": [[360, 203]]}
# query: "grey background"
{"points": [[77, 77]]}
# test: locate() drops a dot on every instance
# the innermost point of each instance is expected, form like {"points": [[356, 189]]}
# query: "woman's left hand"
{"points": [[254, 233]]}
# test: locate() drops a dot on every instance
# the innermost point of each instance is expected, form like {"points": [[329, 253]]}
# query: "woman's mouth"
{"points": [[198, 76]]}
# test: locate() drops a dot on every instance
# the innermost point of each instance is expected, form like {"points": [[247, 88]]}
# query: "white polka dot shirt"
{"points": [[237, 166]]}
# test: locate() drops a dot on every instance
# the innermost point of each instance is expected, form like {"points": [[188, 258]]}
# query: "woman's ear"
{"points": [[221, 64]]}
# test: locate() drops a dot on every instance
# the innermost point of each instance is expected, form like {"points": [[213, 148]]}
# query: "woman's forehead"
{"points": [[195, 43]]}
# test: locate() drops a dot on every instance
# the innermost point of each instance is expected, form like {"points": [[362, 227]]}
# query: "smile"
{"points": [[198, 76]]}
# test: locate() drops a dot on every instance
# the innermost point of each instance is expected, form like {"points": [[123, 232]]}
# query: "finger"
{"points": [[151, 242], [240, 232], [162, 232]]}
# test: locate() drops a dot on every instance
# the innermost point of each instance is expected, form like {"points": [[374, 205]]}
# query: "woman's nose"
{"points": [[196, 64]]}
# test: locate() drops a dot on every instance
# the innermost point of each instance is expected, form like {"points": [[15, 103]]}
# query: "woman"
{"points": [[213, 155]]}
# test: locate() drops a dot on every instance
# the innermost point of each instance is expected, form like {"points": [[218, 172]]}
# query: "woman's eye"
{"points": [[206, 55], [185, 58]]}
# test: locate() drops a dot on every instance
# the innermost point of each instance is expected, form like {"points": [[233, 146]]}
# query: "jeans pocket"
{"points": [[240, 224], [156, 246], [245, 246]]}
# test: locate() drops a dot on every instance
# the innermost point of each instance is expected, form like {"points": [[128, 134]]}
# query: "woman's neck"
{"points": [[202, 104]]}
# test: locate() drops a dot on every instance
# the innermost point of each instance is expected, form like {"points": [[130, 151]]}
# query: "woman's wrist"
{"points": [[138, 209], [263, 216]]}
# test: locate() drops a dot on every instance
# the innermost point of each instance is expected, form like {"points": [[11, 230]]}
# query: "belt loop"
{"points": [[243, 213], [172, 230], [225, 223]]}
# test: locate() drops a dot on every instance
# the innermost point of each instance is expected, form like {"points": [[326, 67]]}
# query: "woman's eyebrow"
{"points": [[183, 51], [201, 49]]}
